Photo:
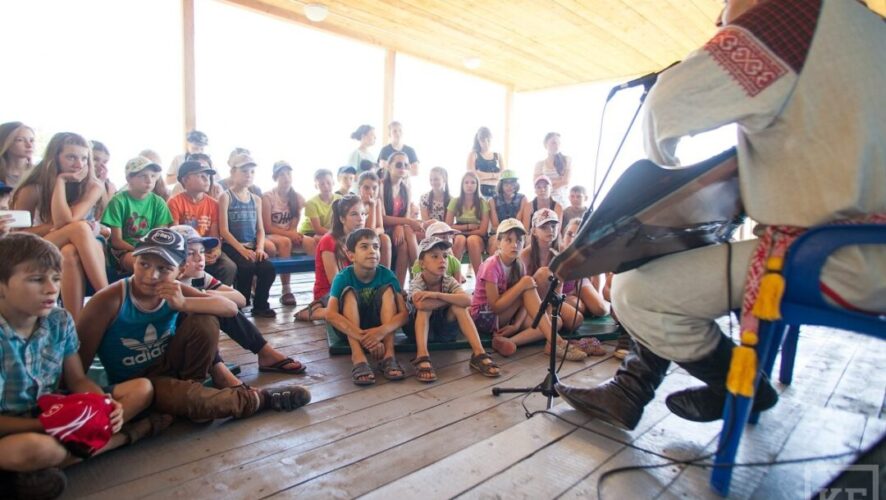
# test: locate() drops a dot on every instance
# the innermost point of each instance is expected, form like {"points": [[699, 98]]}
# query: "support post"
{"points": [[390, 74], [189, 71]]}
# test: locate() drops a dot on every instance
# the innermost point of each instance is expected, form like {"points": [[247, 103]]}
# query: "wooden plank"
{"points": [[574, 457], [366, 475], [821, 431], [337, 405], [862, 386], [367, 433]]}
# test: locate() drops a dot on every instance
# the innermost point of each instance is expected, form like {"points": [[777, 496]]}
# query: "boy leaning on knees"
{"points": [[150, 325], [366, 308], [38, 347], [440, 311]]}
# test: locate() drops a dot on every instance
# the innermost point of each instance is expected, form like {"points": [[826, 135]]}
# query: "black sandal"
{"points": [[361, 374], [390, 365], [427, 371]]}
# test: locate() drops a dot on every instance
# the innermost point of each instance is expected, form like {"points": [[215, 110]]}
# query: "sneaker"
{"points": [[43, 484], [264, 313]]}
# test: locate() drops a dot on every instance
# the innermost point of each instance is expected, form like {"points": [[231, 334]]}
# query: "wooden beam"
{"points": [[189, 73], [390, 75], [878, 6]]}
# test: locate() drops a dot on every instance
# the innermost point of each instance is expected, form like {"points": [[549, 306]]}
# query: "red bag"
{"points": [[81, 422]]}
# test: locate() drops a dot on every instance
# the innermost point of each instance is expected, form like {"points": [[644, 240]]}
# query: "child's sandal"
{"points": [[426, 373], [486, 368], [361, 374], [388, 368]]}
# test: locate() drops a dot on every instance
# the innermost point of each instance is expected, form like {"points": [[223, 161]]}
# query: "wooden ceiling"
{"points": [[525, 44]]}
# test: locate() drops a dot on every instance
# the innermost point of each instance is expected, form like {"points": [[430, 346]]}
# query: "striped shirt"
{"points": [[32, 367]]}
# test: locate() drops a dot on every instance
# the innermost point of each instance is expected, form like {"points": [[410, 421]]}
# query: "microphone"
{"points": [[647, 80]]}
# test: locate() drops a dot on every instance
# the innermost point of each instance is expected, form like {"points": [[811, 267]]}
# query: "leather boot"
{"points": [[620, 400], [705, 403]]}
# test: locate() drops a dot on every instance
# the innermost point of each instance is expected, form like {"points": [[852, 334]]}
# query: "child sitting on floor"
{"points": [[133, 212], [38, 345], [366, 308], [239, 328], [506, 296], [442, 231], [439, 311], [150, 325]]}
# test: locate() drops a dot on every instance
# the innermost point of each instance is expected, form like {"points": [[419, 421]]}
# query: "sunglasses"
{"points": [[400, 164]]}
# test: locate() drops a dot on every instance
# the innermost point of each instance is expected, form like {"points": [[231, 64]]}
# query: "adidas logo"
{"points": [[153, 347]]}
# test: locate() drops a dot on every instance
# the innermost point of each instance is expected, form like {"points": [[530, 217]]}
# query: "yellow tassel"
{"points": [[743, 368], [771, 290]]}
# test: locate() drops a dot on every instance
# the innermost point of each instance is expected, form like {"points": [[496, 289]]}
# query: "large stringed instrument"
{"points": [[652, 211]]}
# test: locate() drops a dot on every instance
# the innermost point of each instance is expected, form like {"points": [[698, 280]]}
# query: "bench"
{"points": [[299, 263]]}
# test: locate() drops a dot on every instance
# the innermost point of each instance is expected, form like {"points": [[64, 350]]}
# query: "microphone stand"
{"points": [[554, 300]]}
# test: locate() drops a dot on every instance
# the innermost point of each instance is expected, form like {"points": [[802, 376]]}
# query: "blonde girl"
{"points": [[61, 194], [469, 214], [16, 151]]}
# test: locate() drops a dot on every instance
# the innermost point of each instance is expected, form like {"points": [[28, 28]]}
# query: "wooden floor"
{"points": [[453, 438]]}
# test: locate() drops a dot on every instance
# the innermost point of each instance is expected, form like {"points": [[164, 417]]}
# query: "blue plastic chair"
{"points": [[802, 303]]}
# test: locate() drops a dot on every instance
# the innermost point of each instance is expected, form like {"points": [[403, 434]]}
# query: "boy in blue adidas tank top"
{"points": [[38, 350], [366, 307], [151, 325]]}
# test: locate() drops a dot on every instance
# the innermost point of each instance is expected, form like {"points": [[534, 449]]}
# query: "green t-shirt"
{"points": [[315, 207], [468, 216], [136, 217], [453, 266], [365, 291]]}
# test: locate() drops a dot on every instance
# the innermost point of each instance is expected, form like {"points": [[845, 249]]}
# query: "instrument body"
{"points": [[653, 211]]}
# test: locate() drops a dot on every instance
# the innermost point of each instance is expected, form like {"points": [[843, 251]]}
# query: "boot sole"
{"points": [[678, 411], [599, 414]]}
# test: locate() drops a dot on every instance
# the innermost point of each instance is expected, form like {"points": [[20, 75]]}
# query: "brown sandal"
{"points": [[425, 374], [487, 369], [307, 314]]}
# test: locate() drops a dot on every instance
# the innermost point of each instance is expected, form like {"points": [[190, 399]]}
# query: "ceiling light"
{"points": [[316, 12], [472, 62]]}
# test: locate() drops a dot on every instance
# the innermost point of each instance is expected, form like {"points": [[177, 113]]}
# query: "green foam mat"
{"points": [[604, 328]]}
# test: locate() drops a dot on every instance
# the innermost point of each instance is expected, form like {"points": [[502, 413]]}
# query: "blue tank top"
{"points": [[242, 218], [136, 338], [507, 210]]}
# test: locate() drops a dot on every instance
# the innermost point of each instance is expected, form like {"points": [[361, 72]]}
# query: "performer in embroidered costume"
{"points": [[804, 80]]}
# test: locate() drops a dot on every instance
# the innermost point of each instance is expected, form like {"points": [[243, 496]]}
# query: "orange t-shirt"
{"points": [[200, 215]]}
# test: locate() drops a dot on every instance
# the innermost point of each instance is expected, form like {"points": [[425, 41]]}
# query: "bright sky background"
{"points": [[112, 71]]}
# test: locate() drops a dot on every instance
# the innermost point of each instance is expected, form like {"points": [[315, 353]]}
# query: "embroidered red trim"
{"points": [[745, 59]]}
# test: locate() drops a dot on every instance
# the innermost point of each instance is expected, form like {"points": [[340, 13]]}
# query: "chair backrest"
{"points": [[803, 302]]}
